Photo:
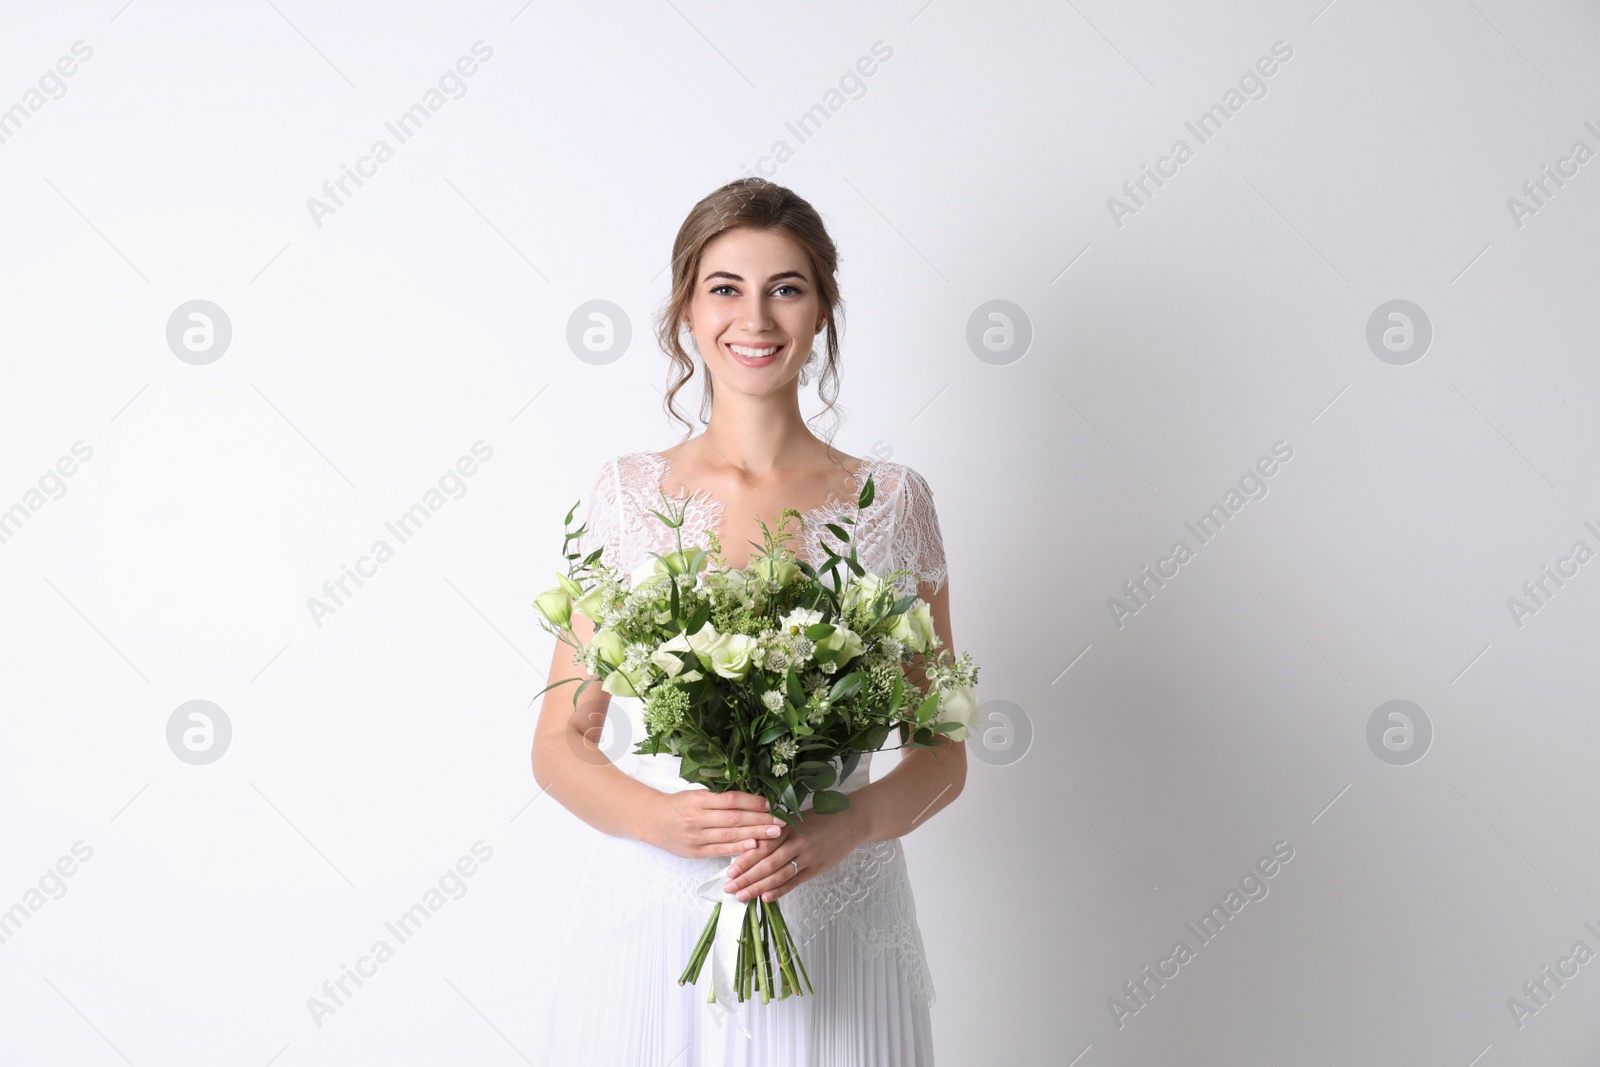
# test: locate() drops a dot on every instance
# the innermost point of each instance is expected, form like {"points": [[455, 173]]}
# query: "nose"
{"points": [[756, 314]]}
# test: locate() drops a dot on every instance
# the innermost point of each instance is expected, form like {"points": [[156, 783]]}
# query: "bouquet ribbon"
{"points": [[724, 948]]}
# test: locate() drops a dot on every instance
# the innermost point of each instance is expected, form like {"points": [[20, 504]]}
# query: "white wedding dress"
{"points": [[637, 916]]}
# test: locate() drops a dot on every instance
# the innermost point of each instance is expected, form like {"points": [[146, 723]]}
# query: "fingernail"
{"points": [[774, 831], [728, 886], [743, 894]]}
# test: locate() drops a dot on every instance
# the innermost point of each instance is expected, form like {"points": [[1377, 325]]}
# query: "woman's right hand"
{"points": [[697, 823]]}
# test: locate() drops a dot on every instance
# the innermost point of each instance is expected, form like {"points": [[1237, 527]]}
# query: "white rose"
{"points": [[663, 657], [958, 705], [914, 629], [702, 642], [798, 619], [840, 647], [730, 655]]}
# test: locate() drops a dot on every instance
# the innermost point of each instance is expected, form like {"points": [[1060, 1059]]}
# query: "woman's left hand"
{"points": [[816, 844]]}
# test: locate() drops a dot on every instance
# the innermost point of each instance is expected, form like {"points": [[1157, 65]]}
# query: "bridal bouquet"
{"points": [[772, 679]]}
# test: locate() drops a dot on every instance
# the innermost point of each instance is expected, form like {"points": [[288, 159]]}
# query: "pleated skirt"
{"points": [[635, 921]]}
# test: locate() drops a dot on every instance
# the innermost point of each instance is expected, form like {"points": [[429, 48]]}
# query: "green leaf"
{"points": [[837, 531], [867, 493], [847, 687], [819, 630], [926, 709], [797, 694], [772, 733], [849, 767], [814, 774], [946, 727], [829, 802]]}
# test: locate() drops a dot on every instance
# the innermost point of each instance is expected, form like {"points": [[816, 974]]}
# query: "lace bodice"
{"points": [[900, 528]]}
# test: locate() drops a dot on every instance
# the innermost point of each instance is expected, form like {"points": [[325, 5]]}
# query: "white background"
{"points": [[1170, 350]]}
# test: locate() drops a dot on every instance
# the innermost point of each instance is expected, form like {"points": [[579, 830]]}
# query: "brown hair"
{"points": [[758, 204]]}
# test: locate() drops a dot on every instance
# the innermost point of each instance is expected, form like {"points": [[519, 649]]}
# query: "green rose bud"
{"points": [[780, 569], [556, 606]]}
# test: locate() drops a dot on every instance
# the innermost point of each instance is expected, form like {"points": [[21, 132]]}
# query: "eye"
{"points": [[714, 289], [797, 291]]}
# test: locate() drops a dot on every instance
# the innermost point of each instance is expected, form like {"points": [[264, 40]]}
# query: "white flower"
{"points": [[663, 657], [958, 705], [773, 700], [915, 627], [797, 620], [730, 655]]}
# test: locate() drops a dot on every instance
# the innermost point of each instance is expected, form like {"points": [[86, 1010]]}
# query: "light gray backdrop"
{"points": [[1349, 323]]}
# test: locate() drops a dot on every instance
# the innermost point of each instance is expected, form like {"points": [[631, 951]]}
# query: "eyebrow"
{"points": [[735, 277]]}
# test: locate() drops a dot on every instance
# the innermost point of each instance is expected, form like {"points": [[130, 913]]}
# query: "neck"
{"points": [[760, 434]]}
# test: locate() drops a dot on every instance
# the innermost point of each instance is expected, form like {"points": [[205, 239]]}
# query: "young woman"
{"points": [[753, 284]]}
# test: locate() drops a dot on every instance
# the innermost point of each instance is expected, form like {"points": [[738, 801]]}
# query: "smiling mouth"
{"points": [[754, 355]]}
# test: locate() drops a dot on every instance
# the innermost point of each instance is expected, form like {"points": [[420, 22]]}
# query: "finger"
{"points": [[728, 848], [751, 874], [775, 884], [758, 834], [733, 798], [752, 856]]}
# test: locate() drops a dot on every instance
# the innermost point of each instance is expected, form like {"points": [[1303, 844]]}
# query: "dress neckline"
{"points": [[827, 508]]}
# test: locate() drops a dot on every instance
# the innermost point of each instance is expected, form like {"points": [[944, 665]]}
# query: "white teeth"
{"points": [[754, 353]]}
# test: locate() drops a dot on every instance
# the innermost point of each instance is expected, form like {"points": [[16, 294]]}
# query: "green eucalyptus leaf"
{"points": [[829, 801]]}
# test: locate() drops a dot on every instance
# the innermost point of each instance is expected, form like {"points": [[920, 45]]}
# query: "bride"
{"points": [[753, 284]]}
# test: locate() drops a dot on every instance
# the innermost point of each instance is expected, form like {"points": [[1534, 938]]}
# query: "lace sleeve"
{"points": [[602, 528], [918, 543]]}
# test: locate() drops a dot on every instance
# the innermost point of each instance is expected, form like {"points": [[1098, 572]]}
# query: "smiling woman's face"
{"points": [[754, 293]]}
